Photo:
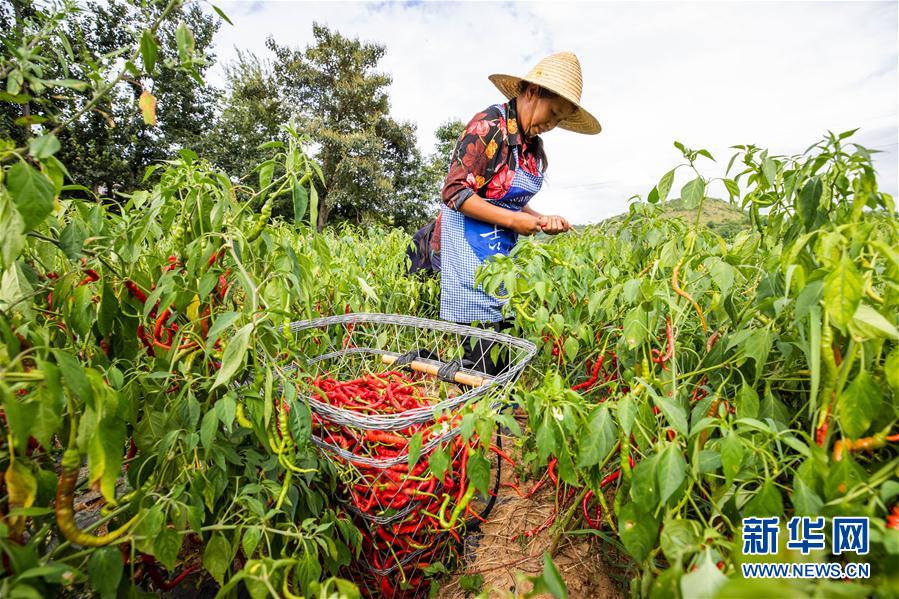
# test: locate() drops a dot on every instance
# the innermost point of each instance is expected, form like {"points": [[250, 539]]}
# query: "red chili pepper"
{"points": [[893, 518], [551, 471], [669, 333], [594, 523], [91, 277], [135, 291], [593, 376]]}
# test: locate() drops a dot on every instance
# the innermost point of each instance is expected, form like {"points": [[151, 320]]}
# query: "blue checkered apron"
{"points": [[465, 243]]}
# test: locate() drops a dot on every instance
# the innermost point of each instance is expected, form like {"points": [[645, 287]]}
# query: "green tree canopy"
{"points": [[109, 147], [372, 167]]}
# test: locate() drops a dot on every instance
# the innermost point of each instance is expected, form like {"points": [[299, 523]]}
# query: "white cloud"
{"points": [[708, 74]]}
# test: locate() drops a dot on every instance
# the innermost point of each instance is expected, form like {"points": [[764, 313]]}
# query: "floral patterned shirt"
{"points": [[483, 161]]}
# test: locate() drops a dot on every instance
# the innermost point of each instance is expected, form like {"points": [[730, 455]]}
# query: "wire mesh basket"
{"points": [[380, 387]]}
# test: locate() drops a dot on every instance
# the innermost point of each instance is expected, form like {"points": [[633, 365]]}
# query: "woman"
{"points": [[496, 168]]}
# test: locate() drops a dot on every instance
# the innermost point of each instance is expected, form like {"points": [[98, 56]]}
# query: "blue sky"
{"points": [[709, 74]]}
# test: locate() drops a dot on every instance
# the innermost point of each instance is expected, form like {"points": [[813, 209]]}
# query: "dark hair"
{"points": [[541, 91]]}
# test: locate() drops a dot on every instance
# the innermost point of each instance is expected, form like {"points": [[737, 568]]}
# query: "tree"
{"points": [[447, 135], [253, 109], [371, 164], [110, 146]]}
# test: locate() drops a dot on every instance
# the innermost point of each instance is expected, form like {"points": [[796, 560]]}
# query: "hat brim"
{"points": [[579, 122]]}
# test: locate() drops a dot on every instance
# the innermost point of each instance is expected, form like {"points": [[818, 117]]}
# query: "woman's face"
{"points": [[539, 115]]}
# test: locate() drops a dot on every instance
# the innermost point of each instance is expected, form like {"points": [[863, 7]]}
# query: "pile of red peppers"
{"points": [[409, 518]]}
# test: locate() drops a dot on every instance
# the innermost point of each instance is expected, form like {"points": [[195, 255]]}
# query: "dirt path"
{"points": [[497, 554]]}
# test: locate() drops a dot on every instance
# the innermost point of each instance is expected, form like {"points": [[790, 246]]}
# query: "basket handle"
{"points": [[460, 377]]}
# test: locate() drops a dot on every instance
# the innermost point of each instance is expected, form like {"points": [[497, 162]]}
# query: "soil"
{"points": [[588, 566]]}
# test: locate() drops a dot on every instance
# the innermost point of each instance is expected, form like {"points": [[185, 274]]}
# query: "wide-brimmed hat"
{"points": [[560, 73]]}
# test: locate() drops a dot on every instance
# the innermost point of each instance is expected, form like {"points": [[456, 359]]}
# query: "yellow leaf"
{"points": [[147, 105], [193, 309], [22, 488]]}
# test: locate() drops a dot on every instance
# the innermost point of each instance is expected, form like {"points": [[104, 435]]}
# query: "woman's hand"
{"points": [[554, 224], [526, 224]]}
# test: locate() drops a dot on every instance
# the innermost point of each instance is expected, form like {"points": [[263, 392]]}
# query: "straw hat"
{"points": [[560, 73]]}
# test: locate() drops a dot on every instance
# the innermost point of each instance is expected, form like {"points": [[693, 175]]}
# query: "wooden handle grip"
{"points": [[460, 377]]}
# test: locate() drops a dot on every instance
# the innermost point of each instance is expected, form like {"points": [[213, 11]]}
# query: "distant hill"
{"points": [[718, 215]]}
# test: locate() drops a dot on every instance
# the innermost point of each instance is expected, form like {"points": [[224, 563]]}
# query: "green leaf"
{"points": [[217, 557], [732, 452], [31, 192], [673, 413], [105, 570], [868, 323], [733, 190], [313, 206], [549, 581], [757, 346], [299, 422], [547, 443], [78, 86], [747, 402], [843, 292], [414, 449], [49, 407], [148, 527], [479, 472], [438, 461], [627, 413], [73, 375], [250, 540], [148, 51], [220, 13], [805, 501], [166, 546], [692, 193], [635, 327], [71, 240], [266, 170], [471, 583], [44, 146], [12, 231], [570, 346], [705, 581], [300, 202], [638, 531], [671, 470], [891, 370], [645, 484], [766, 503], [222, 322], [889, 490], [104, 454], [308, 568], [664, 186], [858, 405], [599, 439], [185, 41], [808, 200], [679, 538], [234, 355], [769, 169], [722, 273], [208, 428]]}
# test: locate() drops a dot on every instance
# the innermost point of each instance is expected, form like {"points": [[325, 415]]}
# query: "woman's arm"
{"points": [[550, 225], [531, 211], [524, 222]]}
